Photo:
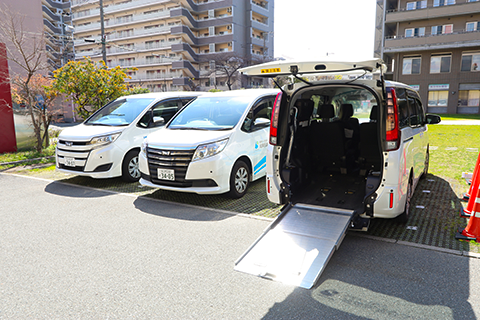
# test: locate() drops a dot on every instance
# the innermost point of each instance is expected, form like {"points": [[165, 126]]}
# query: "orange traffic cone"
{"points": [[467, 212], [475, 178], [472, 231]]}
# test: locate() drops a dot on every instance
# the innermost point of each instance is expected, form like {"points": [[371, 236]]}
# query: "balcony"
{"points": [[122, 21], [114, 8], [432, 12], [131, 34], [461, 39], [156, 76]]}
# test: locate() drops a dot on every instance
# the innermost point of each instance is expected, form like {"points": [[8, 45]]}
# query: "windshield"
{"points": [[119, 112], [211, 113]]}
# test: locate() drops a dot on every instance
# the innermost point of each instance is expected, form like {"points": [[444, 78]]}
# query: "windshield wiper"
{"points": [[187, 128]]}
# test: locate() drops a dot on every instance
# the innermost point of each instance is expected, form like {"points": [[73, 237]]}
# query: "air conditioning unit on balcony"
{"points": [[229, 10], [229, 44], [229, 27]]}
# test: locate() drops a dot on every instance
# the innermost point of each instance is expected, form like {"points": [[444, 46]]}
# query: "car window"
{"points": [[412, 106], [420, 111], [211, 113], [120, 112], [165, 109], [403, 113], [260, 110]]}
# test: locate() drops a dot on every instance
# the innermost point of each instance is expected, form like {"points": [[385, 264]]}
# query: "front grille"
{"points": [[73, 143], [178, 160]]}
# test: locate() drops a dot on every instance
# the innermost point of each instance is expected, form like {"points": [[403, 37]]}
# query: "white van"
{"points": [[107, 144], [216, 144], [343, 137], [345, 146]]}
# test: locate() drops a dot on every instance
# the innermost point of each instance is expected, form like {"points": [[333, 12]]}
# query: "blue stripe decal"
{"points": [[260, 165], [260, 168]]}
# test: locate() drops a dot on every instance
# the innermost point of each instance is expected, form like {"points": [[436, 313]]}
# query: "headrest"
{"points": [[374, 113], [305, 109], [346, 110], [327, 111]]}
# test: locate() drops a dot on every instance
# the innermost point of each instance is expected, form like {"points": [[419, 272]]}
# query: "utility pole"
{"points": [[102, 33]]}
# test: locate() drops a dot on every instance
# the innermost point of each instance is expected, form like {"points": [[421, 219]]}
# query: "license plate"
{"points": [[69, 162], [166, 174]]}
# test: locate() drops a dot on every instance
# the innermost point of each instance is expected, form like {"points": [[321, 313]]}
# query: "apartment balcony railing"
{"points": [[430, 12], [124, 20], [130, 34], [137, 48], [156, 76], [456, 39], [113, 8]]}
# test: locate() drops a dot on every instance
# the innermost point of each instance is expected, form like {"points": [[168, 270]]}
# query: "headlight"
{"points": [[208, 150], [103, 140], [143, 147]]}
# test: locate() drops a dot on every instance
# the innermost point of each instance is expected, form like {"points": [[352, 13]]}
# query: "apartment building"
{"points": [[58, 32], [174, 44], [434, 46]]}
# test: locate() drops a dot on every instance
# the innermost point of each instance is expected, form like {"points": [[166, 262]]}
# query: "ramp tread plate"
{"points": [[291, 259], [298, 248]]}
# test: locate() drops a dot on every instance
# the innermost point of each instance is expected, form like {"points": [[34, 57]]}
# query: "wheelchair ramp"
{"points": [[297, 246]]}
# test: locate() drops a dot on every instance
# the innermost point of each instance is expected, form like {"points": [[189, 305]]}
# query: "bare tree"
{"points": [[226, 65], [26, 53]]}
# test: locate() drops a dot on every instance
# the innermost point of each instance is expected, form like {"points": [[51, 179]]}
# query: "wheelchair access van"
{"points": [[344, 138]]}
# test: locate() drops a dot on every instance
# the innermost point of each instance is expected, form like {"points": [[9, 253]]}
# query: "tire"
{"points": [[239, 180], [130, 169], [403, 217], [427, 162]]}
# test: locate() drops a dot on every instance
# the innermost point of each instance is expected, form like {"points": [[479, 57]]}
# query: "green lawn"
{"points": [[454, 149], [25, 155]]}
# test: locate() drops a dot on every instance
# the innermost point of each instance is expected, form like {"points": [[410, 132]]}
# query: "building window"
{"points": [[440, 64], [439, 3], [472, 0], [470, 61], [471, 26], [411, 65], [437, 98], [469, 98], [416, 5], [414, 32], [445, 29]]}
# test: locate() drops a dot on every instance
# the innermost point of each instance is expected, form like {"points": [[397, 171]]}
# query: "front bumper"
{"points": [[208, 176]]}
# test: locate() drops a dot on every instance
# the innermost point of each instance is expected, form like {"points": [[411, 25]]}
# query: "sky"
{"points": [[313, 29]]}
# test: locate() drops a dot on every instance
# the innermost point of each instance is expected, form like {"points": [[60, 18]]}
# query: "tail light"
{"points": [[393, 131], [274, 120]]}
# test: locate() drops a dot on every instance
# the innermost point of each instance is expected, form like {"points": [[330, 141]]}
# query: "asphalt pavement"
{"points": [[70, 252]]}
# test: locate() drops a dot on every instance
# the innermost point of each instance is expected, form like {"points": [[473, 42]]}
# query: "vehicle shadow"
{"points": [[172, 210], [255, 201], [60, 188]]}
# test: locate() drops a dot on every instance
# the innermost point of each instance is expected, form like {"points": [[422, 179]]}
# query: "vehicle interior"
{"points": [[332, 156]]}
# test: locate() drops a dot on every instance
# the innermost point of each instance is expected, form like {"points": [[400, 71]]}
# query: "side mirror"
{"points": [[433, 119], [158, 121], [261, 122]]}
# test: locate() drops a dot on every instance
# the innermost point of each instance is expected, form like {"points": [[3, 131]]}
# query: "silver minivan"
{"points": [[342, 137]]}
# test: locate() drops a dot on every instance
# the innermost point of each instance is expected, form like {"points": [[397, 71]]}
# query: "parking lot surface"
{"points": [[71, 252]]}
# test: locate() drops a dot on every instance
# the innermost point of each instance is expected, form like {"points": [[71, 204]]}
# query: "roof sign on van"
{"points": [[271, 70]]}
